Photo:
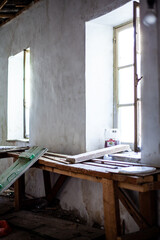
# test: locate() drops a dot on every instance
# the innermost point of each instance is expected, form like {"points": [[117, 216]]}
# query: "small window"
{"points": [[19, 95]]}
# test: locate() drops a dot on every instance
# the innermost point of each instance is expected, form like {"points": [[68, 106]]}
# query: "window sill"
{"points": [[25, 140]]}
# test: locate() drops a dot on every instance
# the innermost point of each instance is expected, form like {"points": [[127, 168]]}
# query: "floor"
{"points": [[43, 222]]}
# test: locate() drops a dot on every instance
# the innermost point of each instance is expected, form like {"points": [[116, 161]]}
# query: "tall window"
{"points": [[127, 100], [18, 95]]}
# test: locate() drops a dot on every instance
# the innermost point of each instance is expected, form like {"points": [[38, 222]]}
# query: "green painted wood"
{"points": [[20, 166]]}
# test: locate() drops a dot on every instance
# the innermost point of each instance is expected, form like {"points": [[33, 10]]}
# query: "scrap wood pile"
{"points": [[67, 159], [96, 159]]}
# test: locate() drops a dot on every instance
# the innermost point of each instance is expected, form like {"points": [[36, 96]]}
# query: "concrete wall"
{"points": [[55, 32], [150, 90], [99, 83]]}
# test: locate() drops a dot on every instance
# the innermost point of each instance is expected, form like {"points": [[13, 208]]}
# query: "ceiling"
{"points": [[9, 9]]}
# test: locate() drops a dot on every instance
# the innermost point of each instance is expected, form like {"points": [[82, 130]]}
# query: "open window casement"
{"points": [[126, 78]]}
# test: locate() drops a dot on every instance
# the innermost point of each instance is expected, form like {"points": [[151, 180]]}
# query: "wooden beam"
{"points": [[140, 188], [132, 209], [111, 210], [97, 153], [2, 3]]}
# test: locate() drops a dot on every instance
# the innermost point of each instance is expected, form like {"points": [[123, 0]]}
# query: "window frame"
{"points": [[137, 101]]}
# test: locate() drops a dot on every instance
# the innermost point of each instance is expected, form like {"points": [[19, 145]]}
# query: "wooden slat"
{"points": [[57, 159], [2, 3], [97, 153], [119, 162], [101, 165], [56, 154]]}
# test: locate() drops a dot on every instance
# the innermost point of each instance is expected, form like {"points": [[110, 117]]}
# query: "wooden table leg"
{"points": [[47, 182], [111, 210], [19, 191], [148, 206]]}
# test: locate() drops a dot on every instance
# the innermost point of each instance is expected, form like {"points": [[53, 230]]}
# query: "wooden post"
{"points": [[148, 206], [47, 182], [19, 191], [111, 210]]}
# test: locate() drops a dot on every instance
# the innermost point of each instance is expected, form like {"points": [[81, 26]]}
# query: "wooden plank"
{"points": [[111, 210], [144, 234], [20, 166], [97, 153], [132, 179], [140, 188], [57, 159], [56, 154], [123, 163], [71, 174], [132, 209]]}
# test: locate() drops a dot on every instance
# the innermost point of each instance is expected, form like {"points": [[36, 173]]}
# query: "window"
{"points": [[127, 99], [19, 95], [103, 109]]}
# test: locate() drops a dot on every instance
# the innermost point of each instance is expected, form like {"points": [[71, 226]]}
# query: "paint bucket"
{"points": [[112, 137]]}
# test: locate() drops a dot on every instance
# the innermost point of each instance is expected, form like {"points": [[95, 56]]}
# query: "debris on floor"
{"points": [[47, 222]]}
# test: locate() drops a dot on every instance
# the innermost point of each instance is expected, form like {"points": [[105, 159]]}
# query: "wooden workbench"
{"points": [[114, 185]]}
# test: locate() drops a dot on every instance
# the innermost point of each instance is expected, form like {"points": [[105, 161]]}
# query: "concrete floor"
{"points": [[42, 224]]}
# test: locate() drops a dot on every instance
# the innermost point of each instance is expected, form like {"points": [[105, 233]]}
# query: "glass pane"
{"points": [[125, 47], [126, 86], [126, 124]]}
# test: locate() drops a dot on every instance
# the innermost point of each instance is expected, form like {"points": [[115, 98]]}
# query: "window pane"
{"points": [[27, 91], [15, 96], [125, 47], [126, 86], [126, 123]]}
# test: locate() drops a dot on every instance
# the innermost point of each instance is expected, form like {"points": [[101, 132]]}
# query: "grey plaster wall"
{"points": [[55, 32], [150, 89]]}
